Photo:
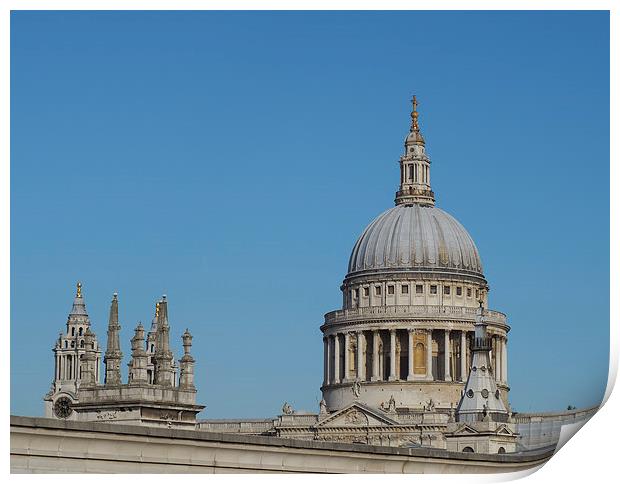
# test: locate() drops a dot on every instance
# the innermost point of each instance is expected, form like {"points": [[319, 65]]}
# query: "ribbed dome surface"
{"points": [[416, 238]]}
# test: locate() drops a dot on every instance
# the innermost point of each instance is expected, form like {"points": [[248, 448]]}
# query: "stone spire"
{"points": [[113, 355], [88, 360], [415, 180], [481, 399], [137, 367], [163, 356], [186, 379]]}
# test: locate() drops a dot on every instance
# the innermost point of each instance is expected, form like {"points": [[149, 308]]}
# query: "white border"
{"points": [[590, 455]]}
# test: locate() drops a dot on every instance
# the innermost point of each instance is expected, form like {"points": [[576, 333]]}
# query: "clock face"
{"points": [[62, 407]]}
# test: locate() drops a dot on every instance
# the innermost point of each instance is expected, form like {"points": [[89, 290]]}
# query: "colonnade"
{"points": [[405, 355], [68, 367]]}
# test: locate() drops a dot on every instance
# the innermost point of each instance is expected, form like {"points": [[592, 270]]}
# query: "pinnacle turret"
{"points": [[113, 354], [481, 399], [88, 359], [164, 373], [186, 378], [137, 367]]}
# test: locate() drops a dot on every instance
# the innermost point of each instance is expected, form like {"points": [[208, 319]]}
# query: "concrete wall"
{"points": [[41, 445], [542, 429]]}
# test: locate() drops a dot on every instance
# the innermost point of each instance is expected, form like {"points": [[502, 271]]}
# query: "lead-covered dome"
{"points": [[415, 238]]}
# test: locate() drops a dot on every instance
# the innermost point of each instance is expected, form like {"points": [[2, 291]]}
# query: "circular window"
{"points": [[62, 407], [483, 368], [497, 393], [470, 393], [485, 393], [473, 368]]}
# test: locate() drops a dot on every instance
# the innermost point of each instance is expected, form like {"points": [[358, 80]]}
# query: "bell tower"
{"points": [[68, 351]]}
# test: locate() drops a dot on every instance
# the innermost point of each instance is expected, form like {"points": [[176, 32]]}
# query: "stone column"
{"points": [[347, 341], [325, 361], [410, 356], [469, 337], [330, 375], [360, 352], [446, 355], [505, 360], [375, 356], [392, 355], [498, 359], [336, 358], [463, 356], [429, 354]]}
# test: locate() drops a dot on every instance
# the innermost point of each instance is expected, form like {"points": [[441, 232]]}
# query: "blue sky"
{"points": [[231, 159]]}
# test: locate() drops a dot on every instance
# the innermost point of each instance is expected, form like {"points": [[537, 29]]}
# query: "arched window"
{"points": [[501, 450], [82, 344], [467, 449], [411, 172], [73, 331], [66, 344], [80, 332]]}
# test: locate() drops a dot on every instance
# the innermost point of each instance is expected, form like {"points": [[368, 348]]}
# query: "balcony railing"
{"points": [[449, 312]]}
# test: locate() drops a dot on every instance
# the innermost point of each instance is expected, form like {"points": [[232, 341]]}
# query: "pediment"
{"points": [[356, 415], [465, 430], [504, 430]]}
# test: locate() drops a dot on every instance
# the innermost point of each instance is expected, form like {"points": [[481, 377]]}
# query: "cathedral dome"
{"points": [[415, 238]]}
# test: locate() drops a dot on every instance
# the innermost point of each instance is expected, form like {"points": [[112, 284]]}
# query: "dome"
{"points": [[415, 238], [414, 138]]}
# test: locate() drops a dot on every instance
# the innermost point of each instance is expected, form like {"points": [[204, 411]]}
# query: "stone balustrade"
{"points": [[238, 426], [431, 312]]}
